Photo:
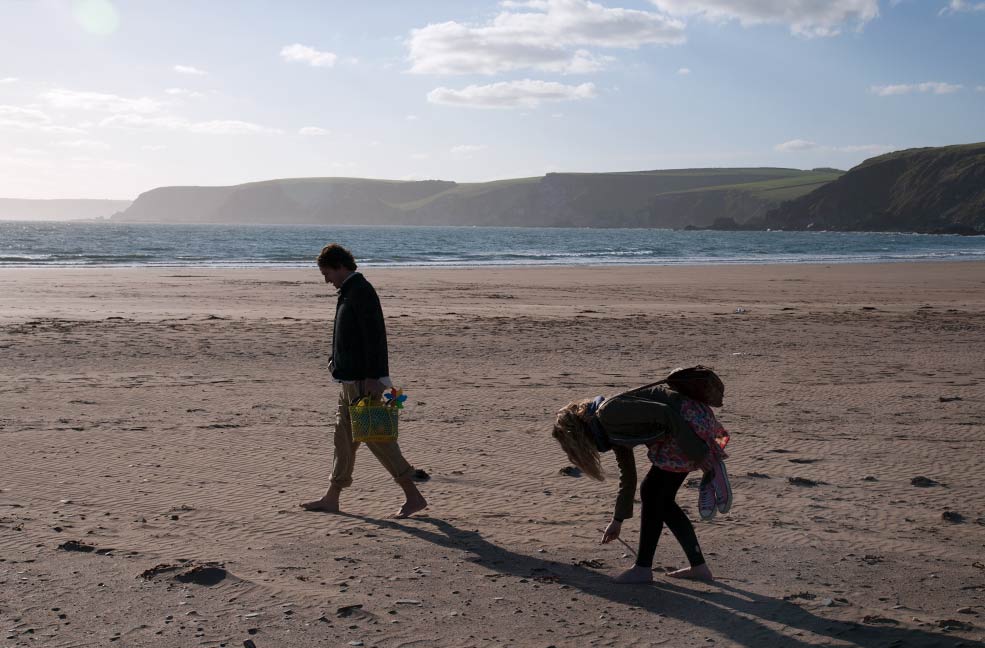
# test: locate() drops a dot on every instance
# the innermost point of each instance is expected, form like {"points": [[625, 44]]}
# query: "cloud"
{"points": [[99, 102], [16, 118], [314, 131], [184, 92], [179, 124], [980, 88], [465, 151], [298, 53], [809, 18], [802, 145], [86, 144], [958, 6], [527, 93], [548, 35], [796, 145], [6, 80], [684, 71], [154, 147], [935, 87], [189, 69]]}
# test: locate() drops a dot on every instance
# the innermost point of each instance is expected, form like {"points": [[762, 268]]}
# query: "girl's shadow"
{"points": [[738, 614]]}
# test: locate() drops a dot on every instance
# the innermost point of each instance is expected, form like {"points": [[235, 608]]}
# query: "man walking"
{"points": [[359, 361]]}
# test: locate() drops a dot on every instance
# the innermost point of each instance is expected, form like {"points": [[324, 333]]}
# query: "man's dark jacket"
{"points": [[359, 336]]}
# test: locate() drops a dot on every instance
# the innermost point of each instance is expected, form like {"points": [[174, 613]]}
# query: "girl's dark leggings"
{"points": [[657, 494]]}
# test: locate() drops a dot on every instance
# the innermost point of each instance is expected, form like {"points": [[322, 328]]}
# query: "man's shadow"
{"points": [[734, 613]]}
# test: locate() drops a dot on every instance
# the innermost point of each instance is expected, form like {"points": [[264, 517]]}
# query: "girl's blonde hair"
{"points": [[575, 437]]}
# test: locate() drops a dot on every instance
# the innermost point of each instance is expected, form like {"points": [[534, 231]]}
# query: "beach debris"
{"points": [[591, 562], [949, 399], [75, 545], [757, 475], [923, 482], [803, 481], [952, 516], [955, 624], [208, 574], [408, 602], [807, 596], [869, 478], [803, 461], [249, 644], [570, 471], [875, 619], [868, 308], [347, 611], [872, 559], [157, 570], [967, 610], [740, 311]]}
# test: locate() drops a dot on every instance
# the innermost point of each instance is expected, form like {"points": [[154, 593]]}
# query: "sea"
{"points": [[100, 245]]}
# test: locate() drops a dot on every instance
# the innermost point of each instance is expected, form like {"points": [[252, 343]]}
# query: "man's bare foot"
{"points": [[327, 504], [411, 506], [701, 573], [635, 575]]}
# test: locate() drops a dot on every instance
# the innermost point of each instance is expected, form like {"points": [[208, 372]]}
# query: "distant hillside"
{"points": [[70, 209], [917, 190], [674, 198]]}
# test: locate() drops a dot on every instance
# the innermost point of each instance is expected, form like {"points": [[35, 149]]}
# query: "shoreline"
{"points": [[507, 266]]}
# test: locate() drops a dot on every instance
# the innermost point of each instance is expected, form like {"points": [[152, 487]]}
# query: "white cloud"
{"points": [[411, 117], [97, 101], [527, 93], [796, 145], [298, 53], [802, 145], [465, 151], [179, 124], [189, 69], [684, 71], [935, 87], [16, 118], [549, 35], [314, 131], [184, 92], [804, 17], [9, 80], [154, 147], [86, 144], [957, 6]]}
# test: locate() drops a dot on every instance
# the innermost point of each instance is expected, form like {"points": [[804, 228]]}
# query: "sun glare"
{"points": [[97, 17]]}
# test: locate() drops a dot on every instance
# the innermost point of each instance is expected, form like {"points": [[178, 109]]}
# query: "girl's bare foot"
{"points": [[635, 575], [411, 506], [701, 573]]}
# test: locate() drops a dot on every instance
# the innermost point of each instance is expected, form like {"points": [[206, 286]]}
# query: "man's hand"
{"points": [[611, 532], [373, 387]]}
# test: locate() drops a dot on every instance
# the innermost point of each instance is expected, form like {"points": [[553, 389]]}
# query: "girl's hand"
{"points": [[611, 532]]}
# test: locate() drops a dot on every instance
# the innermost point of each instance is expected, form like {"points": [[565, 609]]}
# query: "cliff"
{"points": [[674, 198], [916, 190]]}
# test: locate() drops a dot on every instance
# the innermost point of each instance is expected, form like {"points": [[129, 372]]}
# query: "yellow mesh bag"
{"points": [[373, 421]]}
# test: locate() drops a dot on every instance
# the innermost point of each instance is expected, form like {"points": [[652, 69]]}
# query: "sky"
{"points": [[111, 98]]}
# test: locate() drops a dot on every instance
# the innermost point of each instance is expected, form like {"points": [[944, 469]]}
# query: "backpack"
{"points": [[698, 382]]}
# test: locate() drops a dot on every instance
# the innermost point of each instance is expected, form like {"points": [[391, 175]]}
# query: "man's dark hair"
{"points": [[335, 256]]}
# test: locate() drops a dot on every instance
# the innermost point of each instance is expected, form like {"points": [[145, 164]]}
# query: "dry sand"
{"points": [[176, 417]]}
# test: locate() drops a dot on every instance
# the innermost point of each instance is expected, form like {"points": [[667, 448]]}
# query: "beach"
{"points": [[160, 426]]}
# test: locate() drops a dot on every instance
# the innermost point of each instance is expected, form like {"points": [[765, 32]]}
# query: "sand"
{"points": [[176, 417]]}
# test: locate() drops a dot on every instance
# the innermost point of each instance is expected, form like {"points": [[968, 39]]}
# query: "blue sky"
{"points": [[109, 98]]}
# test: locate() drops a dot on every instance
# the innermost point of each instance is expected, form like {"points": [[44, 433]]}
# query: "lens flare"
{"points": [[97, 17]]}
